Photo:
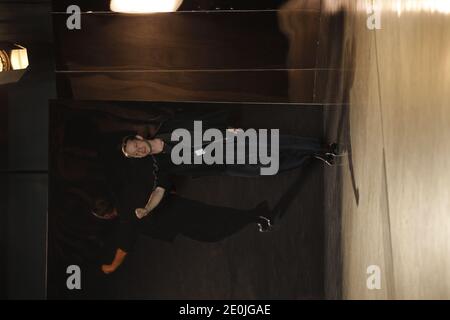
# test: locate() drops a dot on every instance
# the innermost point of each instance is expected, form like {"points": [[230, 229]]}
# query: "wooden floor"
{"points": [[286, 264], [388, 205]]}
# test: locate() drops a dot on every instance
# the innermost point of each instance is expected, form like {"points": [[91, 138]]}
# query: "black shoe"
{"points": [[265, 224], [263, 217], [333, 149], [327, 158]]}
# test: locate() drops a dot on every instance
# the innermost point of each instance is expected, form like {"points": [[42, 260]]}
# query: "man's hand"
{"points": [[157, 146], [108, 268], [141, 212]]}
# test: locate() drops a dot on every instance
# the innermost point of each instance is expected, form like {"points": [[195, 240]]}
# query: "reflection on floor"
{"points": [[392, 209], [286, 264]]}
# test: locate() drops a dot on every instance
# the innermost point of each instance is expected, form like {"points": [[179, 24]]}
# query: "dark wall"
{"points": [[24, 136], [3, 188]]}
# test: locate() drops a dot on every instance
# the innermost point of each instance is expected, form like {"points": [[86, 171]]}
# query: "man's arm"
{"points": [[118, 260], [155, 198], [163, 183], [127, 230]]}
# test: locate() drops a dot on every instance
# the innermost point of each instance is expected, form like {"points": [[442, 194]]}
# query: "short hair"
{"points": [[102, 207], [124, 145]]}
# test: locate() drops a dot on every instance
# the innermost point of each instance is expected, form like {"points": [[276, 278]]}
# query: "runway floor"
{"points": [[388, 204], [285, 264]]}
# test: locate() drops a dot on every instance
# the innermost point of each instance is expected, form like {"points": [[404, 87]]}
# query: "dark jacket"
{"points": [[217, 120]]}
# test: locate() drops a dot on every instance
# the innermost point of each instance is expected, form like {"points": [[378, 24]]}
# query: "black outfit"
{"points": [[133, 180], [174, 215], [293, 150]]}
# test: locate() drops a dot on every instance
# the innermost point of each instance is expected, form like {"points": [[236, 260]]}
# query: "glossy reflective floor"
{"points": [[388, 204]]}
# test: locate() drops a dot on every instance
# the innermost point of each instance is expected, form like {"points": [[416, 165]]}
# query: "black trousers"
{"points": [[294, 151], [196, 220]]}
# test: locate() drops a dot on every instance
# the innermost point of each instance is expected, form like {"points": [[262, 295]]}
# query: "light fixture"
{"points": [[13, 57], [13, 62], [19, 58], [145, 6]]}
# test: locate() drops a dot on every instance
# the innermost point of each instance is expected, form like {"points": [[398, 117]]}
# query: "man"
{"points": [[144, 200], [292, 151], [167, 215]]}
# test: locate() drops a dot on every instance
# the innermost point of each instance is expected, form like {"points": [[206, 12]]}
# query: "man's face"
{"points": [[137, 148]]}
